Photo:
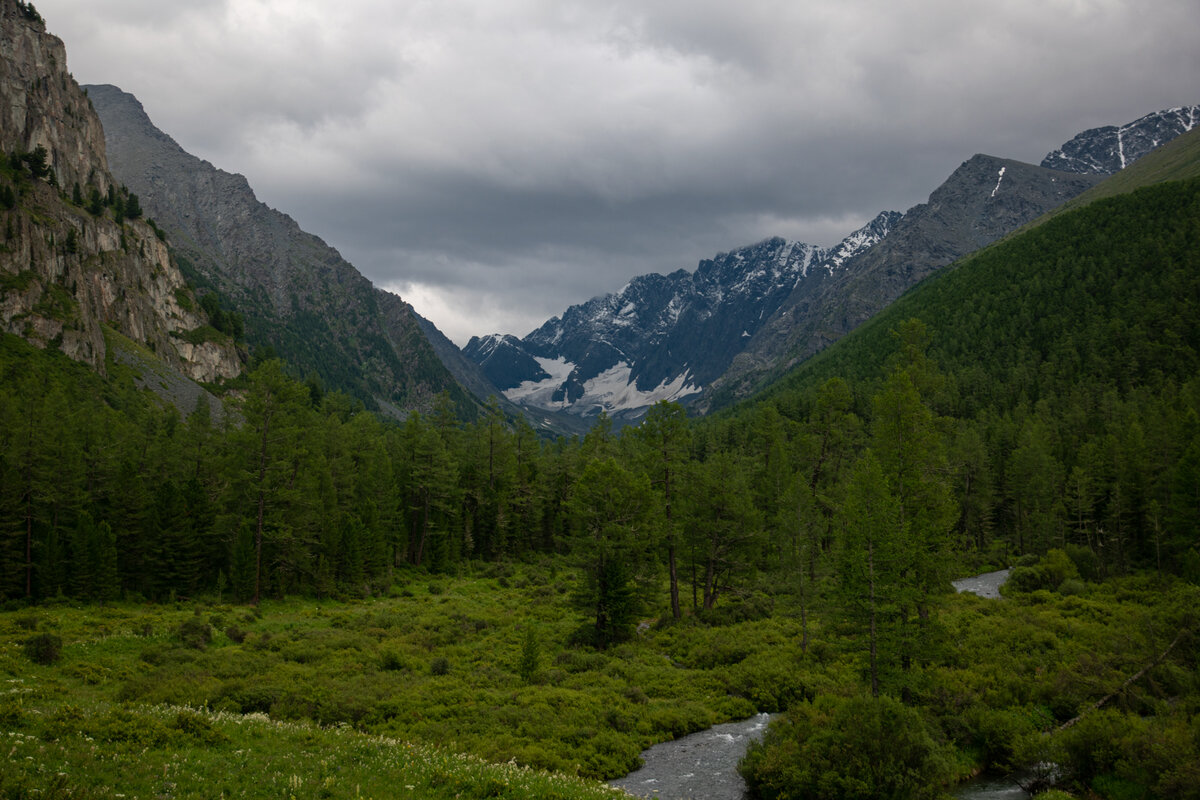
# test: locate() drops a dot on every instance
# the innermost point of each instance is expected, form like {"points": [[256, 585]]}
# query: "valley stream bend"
{"points": [[703, 766]]}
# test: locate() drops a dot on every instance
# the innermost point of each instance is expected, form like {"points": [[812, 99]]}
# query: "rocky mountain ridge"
{"points": [[662, 337], [982, 200], [296, 293], [1108, 149], [619, 353], [71, 266]]}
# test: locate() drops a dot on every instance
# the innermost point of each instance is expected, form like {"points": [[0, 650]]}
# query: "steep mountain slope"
{"points": [[662, 337], [1178, 159], [71, 266], [653, 340], [296, 293], [1109, 149], [1104, 292], [981, 201]]}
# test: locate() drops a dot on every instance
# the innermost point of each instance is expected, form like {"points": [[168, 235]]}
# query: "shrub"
{"points": [[634, 694], [439, 666], [199, 728], [1071, 586], [1049, 573], [391, 661], [235, 634], [531, 656], [195, 632], [856, 748], [1086, 562], [44, 649]]}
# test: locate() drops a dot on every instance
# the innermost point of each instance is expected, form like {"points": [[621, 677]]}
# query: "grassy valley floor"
{"points": [[373, 698]]}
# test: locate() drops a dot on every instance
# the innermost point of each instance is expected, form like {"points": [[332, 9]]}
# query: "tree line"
{"points": [[920, 451]]}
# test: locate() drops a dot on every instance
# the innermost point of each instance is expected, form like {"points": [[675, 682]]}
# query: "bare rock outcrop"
{"points": [[70, 266]]}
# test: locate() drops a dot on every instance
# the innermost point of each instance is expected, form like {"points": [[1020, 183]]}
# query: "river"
{"points": [[989, 787], [702, 766], [986, 585]]}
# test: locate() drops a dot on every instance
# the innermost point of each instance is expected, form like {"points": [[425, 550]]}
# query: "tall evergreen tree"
{"points": [[613, 511], [872, 563], [265, 450], [665, 441]]}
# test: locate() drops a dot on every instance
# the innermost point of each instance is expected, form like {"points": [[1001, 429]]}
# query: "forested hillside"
{"points": [[1055, 383], [1067, 363]]}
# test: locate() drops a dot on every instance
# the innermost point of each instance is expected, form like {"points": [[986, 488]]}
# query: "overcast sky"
{"points": [[494, 161]]}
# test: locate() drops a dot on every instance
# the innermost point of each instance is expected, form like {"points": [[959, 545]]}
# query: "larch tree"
{"points": [[664, 440], [614, 515], [266, 448]]}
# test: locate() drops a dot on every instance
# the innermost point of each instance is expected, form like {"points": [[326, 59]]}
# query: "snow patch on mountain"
{"points": [[861, 240], [999, 180], [540, 393], [614, 391], [662, 337]]}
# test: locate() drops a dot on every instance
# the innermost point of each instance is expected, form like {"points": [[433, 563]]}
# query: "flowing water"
{"points": [[986, 585], [990, 787], [702, 766]]}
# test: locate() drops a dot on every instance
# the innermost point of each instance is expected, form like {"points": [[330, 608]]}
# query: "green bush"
{"points": [[391, 661], [997, 734], [199, 728], [859, 748], [1086, 562], [1051, 572], [195, 632], [44, 649], [27, 622], [1071, 586]]}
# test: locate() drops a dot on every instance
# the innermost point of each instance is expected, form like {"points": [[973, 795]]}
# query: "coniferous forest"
{"points": [[1036, 406]]}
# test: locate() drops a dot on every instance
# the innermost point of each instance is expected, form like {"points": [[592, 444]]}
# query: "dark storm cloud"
{"points": [[496, 161]]}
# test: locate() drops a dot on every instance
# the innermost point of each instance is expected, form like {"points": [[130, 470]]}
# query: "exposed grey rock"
{"points": [[662, 337], [981, 201], [44, 106], [296, 293], [67, 272], [1105, 150]]}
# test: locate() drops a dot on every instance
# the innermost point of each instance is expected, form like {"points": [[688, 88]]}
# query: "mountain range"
{"points": [[715, 335], [662, 337], [705, 337]]}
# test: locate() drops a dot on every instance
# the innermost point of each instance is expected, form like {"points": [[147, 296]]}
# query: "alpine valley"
{"points": [[264, 533]]}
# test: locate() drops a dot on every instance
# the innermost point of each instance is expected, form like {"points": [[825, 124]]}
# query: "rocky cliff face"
{"points": [[68, 268], [43, 104], [295, 292]]}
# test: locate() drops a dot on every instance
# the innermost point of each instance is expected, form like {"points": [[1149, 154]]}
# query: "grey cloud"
{"points": [[471, 149]]}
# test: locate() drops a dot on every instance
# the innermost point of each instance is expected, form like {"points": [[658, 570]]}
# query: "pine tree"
{"points": [[613, 511], [267, 449], [724, 527], [665, 441], [872, 563]]}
